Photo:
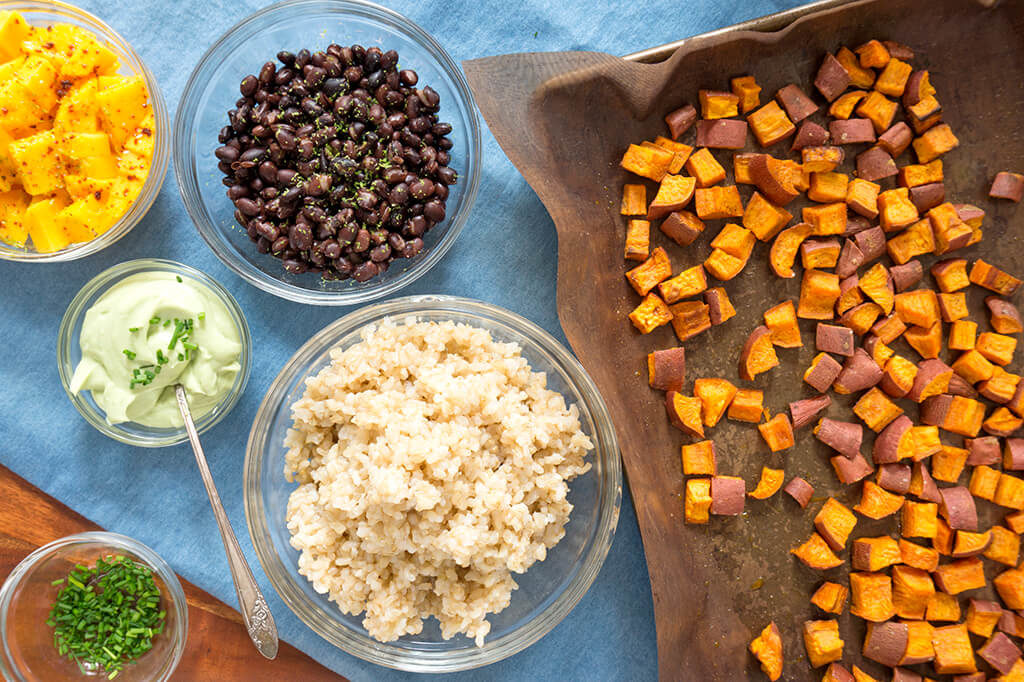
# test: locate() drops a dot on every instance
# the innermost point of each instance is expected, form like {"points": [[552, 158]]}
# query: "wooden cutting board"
{"points": [[29, 518]]}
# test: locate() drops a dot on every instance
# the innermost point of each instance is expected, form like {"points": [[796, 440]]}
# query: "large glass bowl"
{"points": [[49, 12], [547, 591], [28, 595], [69, 353], [213, 89]]}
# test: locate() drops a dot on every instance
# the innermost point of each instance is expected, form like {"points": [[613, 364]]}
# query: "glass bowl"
{"points": [[213, 89], [28, 595], [547, 591], [69, 353], [52, 11]]}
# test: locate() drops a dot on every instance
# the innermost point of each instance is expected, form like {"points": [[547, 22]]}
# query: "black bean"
{"points": [[412, 248], [441, 129], [226, 153], [365, 271], [300, 236], [247, 206], [302, 58], [314, 76], [333, 87], [379, 253], [267, 230], [408, 77], [389, 59], [332, 249], [285, 175], [434, 211], [279, 245], [396, 242], [268, 172], [429, 96], [353, 74], [293, 266], [421, 189], [262, 245], [283, 76], [237, 192], [249, 85], [361, 242], [419, 125], [447, 175]]}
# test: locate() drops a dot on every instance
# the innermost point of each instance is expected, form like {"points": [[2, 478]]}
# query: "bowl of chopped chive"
{"points": [[135, 331], [97, 604]]}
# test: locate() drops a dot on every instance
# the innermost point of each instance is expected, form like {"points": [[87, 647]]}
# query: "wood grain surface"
{"points": [[218, 646], [564, 120]]}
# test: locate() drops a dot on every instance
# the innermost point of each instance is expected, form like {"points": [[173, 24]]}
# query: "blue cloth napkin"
{"points": [[506, 256]]}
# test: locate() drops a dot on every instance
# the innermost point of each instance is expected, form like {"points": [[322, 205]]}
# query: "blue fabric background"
{"points": [[505, 256]]}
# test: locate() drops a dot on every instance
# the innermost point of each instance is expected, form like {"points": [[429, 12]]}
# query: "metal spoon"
{"points": [[258, 619]]}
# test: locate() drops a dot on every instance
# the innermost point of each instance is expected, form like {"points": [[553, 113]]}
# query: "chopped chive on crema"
{"points": [[154, 320], [129, 354], [106, 616], [177, 277], [133, 329], [143, 376]]}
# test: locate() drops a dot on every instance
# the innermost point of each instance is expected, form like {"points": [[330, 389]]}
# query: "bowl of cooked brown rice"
{"points": [[432, 483]]}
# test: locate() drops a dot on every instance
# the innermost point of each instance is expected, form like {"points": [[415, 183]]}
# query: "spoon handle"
{"points": [[258, 619]]}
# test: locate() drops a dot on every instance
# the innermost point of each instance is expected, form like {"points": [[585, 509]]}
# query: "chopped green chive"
{"points": [[129, 354], [177, 277], [154, 320], [133, 329], [202, 316]]}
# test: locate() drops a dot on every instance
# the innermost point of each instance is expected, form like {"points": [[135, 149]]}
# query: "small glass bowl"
{"points": [[548, 590], [69, 353], [52, 11], [28, 595], [213, 89]]}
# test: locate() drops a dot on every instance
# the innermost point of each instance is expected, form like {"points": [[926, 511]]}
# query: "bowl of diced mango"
{"points": [[84, 136]]}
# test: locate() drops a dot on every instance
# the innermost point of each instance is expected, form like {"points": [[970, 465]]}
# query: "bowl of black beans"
{"points": [[328, 151]]}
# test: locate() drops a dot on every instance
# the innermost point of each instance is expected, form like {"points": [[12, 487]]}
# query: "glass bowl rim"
{"points": [[609, 489], [113, 541], [75, 312], [138, 209], [184, 157]]}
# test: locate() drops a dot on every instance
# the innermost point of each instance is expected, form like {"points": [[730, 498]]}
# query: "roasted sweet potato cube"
{"points": [[777, 432], [862, 197], [916, 240], [680, 120], [919, 307], [990, 277], [647, 162], [877, 349], [638, 240], [896, 139], [919, 650], [718, 104], [741, 168], [767, 648], [831, 597], [720, 308], [960, 575], [828, 187], [886, 643], [821, 159], [684, 413], [948, 463], [874, 163], [1000, 653], [1002, 422], [877, 503], [689, 318], [893, 79], [764, 218], [815, 553], [873, 54], [697, 503], [748, 91], [782, 324], [925, 440], [876, 410], [769, 483], [918, 87], [874, 554], [822, 641], [1016, 402], [747, 405], [723, 133], [735, 240], [774, 178], [681, 152], [953, 651], [718, 202], [758, 354], [935, 142], [924, 115], [682, 227], [689, 282], [830, 338], [982, 617], [973, 366], [834, 522], [899, 376], [919, 519], [877, 285], [896, 210], [984, 480], [943, 607], [850, 469], [970, 544], [943, 540], [842, 108], [907, 275], [998, 348], [832, 78], [673, 194], [1015, 521], [705, 169], [860, 77], [770, 124], [666, 369], [1004, 316], [915, 175], [962, 335], [1007, 185], [1010, 586], [927, 341], [1004, 546], [651, 272], [699, 458], [805, 411], [650, 314], [822, 372], [871, 596], [715, 397], [889, 328], [878, 109], [913, 554], [785, 247], [950, 274], [859, 373], [850, 295], [953, 307], [634, 200], [912, 589], [819, 291], [800, 490], [1001, 387], [1011, 624]]}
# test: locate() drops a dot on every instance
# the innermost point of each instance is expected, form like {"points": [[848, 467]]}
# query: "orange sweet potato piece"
{"points": [[960, 575], [896, 210], [1004, 316], [912, 589], [927, 341], [748, 91], [893, 79], [735, 240], [1002, 422], [953, 651], [949, 230], [943, 607], [951, 274], [830, 597], [704, 168], [919, 643], [899, 376], [919, 307], [650, 314], [862, 197], [982, 617], [889, 328], [877, 285], [871, 596], [715, 396], [699, 458], [674, 193], [638, 240], [821, 158], [861, 318], [1010, 586], [984, 480], [684, 413], [873, 54], [681, 152], [634, 200], [878, 109], [935, 142], [647, 162], [876, 410], [651, 272], [925, 441], [666, 369], [822, 641], [718, 202], [850, 294], [782, 323], [886, 643], [690, 318], [973, 367], [915, 175], [948, 463], [758, 354], [741, 168], [876, 502], [874, 554], [764, 218], [1004, 547], [920, 519], [842, 107], [834, 522], [819, 291], [720, 308], [687, 283], [970, 543], [697, 503], [773, 178], [769, 483], [815, 553], [953, 307], [718, 104], [1001, 387], [785, 247], [916, 240], [770, 124], [826, 219], [860, 77], [962, 335], [998, 348], [747, 405], [767, 647], [913, 554], [777, 432]]}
